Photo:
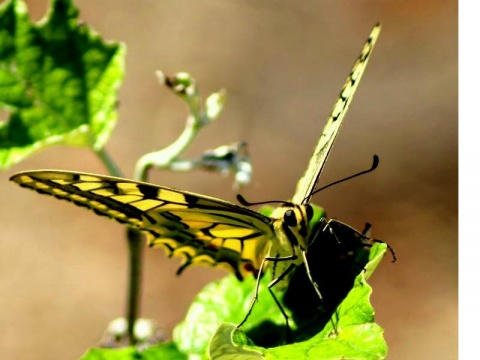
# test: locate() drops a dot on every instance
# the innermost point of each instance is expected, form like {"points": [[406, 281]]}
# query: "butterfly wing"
{"points": [[198, 228], [307, 183]]}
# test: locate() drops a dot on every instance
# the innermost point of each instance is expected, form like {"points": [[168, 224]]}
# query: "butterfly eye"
{"points": [[289, 218]]}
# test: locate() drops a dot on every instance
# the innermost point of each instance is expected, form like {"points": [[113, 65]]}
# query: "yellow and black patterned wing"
{"points": [[307, 183], [198, 228]]}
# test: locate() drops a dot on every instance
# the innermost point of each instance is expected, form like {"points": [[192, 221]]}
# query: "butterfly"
{"points": [[206, 230]]}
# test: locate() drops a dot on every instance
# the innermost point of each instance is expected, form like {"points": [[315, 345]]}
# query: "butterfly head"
{"points": [[293, 222]]}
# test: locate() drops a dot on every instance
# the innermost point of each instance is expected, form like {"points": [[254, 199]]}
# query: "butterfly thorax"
{"points": [[292, 230]]}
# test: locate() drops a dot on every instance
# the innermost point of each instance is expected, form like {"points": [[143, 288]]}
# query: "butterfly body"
{"points": [[291, 225]]}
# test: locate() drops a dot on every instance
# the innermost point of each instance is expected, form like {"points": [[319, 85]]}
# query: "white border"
{"points": [[469, 178]]}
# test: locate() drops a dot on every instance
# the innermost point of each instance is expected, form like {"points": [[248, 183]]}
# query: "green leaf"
{"points": [[227, 300], [58, 81], [230, 343], [162, 351], [341, 327], [354, 335]]}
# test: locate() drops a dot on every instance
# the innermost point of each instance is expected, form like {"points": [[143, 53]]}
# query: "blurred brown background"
{"points": [[63, 270]]}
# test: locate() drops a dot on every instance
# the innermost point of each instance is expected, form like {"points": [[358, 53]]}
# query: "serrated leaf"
{"points": [[354, 335], [58, 81]]}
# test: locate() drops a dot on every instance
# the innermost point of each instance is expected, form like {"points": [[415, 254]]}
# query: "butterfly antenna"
{"points": [[244, 202], [374, 165]]}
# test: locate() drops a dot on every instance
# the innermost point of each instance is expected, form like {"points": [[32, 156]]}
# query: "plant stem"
{"points": [[161, 159], [108, 161], [135, 246], [135, 249]]}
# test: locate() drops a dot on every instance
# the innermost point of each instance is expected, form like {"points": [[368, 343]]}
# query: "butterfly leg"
{"points": [[309, 274], [270, 286], [282, 310], [255, 296], [360, 234], [274, 282], [326, 226]]}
